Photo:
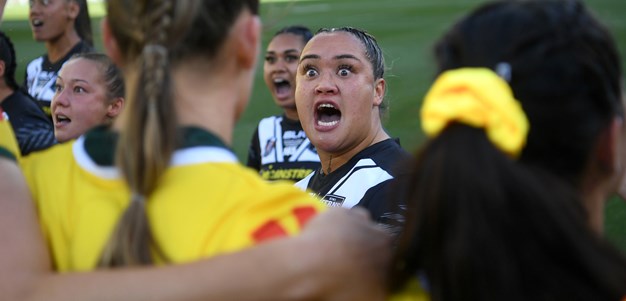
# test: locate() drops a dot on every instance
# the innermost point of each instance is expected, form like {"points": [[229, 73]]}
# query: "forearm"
{"points": [[277, 270]]}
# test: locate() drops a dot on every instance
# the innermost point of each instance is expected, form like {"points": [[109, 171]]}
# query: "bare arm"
{"points": [[339, 256]]}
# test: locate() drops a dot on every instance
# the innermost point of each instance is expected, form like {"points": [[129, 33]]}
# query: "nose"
{"points": [[277, 67], [60, 99], [326, 85]]}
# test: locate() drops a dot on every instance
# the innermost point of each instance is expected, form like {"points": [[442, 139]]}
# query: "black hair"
{"points": [[299, 30], [482, 226], [7, 54], [82, 24]]}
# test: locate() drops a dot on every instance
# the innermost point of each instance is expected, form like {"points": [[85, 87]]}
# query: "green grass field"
{"points": [[405, 29]]}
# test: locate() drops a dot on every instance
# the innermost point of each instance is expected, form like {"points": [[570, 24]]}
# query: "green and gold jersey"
{"points": [[206, 202]]}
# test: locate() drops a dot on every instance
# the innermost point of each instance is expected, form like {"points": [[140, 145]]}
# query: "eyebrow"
{"points": [[74, 80], [337, 57], [286, 51]]}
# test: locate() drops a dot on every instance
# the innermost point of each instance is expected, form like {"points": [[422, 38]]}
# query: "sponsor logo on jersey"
{"points": [[269, 146], [333, 200]]}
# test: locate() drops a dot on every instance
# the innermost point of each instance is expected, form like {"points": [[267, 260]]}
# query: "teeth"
{"points": [[325, 105], [279, 80], [62, 118], [37, 22], [330, 123]]}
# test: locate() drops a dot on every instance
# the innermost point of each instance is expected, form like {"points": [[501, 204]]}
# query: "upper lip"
{"points": [[36, 21], [318, 103]]}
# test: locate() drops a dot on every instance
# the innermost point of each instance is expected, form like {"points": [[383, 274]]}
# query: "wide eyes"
{"points": [[343, 72], [310, 73]]}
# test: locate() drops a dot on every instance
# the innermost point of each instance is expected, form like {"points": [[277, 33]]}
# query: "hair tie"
{"points": [[476, 97]]}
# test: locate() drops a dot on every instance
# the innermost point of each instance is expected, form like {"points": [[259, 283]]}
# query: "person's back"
{"points": [[32, 128], [179, 185], [526, 128]]}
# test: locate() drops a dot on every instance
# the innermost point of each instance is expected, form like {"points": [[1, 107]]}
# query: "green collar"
{"points": [[100, 142]]}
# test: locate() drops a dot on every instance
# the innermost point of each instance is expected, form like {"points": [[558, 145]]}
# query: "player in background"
{"points": [[280, 149]]}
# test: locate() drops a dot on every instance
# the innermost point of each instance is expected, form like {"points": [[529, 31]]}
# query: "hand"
{"points": [[352, 252]]}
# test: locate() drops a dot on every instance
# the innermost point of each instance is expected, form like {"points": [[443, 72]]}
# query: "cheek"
{"points": [[293, 69]]}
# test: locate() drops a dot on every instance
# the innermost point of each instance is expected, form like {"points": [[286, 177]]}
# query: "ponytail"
{"points": [[147, 142], [82, 24], [482, 225]]}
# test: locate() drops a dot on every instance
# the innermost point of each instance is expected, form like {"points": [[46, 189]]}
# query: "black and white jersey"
{"points": [[32, 128], [41, 75], [280, 150], [365, 180]]}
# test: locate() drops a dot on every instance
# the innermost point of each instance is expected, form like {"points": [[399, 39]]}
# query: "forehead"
{"points": [[80, 69], [286, 41], [331, 44]]}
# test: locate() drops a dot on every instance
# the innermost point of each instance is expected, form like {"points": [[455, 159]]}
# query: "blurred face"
{"points": [[336, 93], [80, 101], [50, 19], [279, 70]]}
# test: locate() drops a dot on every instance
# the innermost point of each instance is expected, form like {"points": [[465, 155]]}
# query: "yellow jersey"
{"points": [[206, 202], [8, 142]]}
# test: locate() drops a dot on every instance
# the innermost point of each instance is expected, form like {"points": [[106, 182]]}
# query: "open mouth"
{"points": [[327, 115], [282, 87], [62, 120], [36, 23]]}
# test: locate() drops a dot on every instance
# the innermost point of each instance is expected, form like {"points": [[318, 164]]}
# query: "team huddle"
{"points": [[119, 181]]}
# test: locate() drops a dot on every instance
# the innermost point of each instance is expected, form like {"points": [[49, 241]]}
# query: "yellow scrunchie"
{"points": [[477, 97]]}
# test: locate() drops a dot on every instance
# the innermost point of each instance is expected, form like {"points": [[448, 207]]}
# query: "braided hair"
{"points": [[154, 36]]}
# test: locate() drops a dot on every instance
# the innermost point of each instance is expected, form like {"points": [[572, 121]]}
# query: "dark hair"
{"points": [[82, 24], [299, 30], [110, 72], [153, 36], [482, 226], [559, 55], [7, 54], [373, 52]]}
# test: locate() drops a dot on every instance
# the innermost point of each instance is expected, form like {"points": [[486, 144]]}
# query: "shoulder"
{"points": [[35, 63]]}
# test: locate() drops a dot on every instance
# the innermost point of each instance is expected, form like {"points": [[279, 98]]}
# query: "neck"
{"points": [[59, 47], [331, 161], [291, 114], [205, 95], [594, 196]]}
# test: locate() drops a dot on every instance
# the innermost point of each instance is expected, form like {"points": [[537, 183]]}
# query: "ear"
{"points": [[2, 68], [110, 44], [73, 9], [116, 107], [379, 91], [248, 39], [609, 146]]}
